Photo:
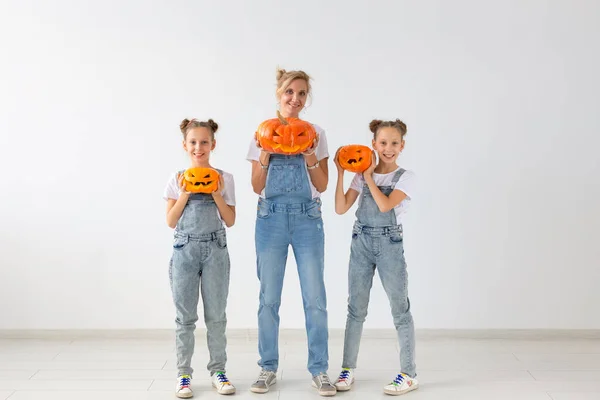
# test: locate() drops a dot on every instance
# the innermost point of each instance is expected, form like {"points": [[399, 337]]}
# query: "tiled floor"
{"points": [[451, 366]]}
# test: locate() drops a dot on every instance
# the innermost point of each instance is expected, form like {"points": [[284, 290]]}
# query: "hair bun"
{"points": [[280, 73], [184, 125], [213, 125], [374, 125]]}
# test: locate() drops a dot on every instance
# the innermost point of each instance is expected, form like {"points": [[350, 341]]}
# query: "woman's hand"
{"points": [[311, 150]]}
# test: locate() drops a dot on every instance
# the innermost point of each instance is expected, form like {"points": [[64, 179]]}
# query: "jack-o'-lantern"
{"points": [[355, 158], [201, 180], [285, 135]]}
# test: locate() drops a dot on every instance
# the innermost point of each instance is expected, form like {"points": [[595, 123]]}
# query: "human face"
{"points": [[388, 144], [198, 144], [293, 98]]}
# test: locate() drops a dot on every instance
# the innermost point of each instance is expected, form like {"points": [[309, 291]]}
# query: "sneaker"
{"points": [[222, 384], [345, 380], [184, 388], [402, 384], [265, 379], [323, 385]]}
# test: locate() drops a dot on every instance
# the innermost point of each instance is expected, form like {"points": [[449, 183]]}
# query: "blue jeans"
{"points": [[200, 267], [277, 226], [381, 249]]}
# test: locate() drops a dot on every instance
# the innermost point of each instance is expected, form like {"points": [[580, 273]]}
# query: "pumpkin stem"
{"points": [[283, 120]]}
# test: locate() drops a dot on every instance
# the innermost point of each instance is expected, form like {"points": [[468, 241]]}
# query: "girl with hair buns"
{"points": [[200, 258], [385, 192], [289, 213]]}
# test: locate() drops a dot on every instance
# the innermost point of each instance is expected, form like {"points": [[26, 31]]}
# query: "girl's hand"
{"points": [[220, 186], [337, 161], [311, 150], [182, 190], [369, 171]]}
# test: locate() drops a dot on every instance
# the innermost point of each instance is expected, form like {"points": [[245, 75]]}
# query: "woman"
{"points": [[289, 212]]}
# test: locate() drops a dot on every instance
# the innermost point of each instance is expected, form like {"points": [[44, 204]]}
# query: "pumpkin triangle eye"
{"points": [[302, 134], [358, 151], [207, 176], [192, 175], [275, 134]]}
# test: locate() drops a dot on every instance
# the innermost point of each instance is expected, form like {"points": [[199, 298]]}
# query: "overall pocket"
{"points": [[285, 178]]}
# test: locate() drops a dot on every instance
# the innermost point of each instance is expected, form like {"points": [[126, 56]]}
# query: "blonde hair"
{"points": [[284, 78], [377, 124], [188, 124]]}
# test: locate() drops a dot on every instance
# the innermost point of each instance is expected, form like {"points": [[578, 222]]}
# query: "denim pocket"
{"points": [[262, 212], [222, 241], [314, 213], [180, 241], [286, 178], [396, 237]]}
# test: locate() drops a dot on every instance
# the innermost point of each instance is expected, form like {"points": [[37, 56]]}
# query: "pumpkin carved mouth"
{"points": [[201, 180], [354, 158], [285, 135]]}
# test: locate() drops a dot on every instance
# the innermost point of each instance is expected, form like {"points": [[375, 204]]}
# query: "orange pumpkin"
{"points": [[285, 135], [201, 180], [355, 158]]}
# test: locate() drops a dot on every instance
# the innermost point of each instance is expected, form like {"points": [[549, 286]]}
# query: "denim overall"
{"points": [[377, 242], [200, 262], [289, 215]]}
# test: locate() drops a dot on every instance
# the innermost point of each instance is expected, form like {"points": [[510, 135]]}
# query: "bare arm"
{"points": [[385, 203], [175, 207], [259, 174], [226, 211], [318, 176], [343, 201]]}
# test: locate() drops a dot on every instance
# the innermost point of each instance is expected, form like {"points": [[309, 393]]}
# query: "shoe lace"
{"points": [[399, 379], [184, 381], [344, 375], [264, 375], [324, 379], [222, 378]]}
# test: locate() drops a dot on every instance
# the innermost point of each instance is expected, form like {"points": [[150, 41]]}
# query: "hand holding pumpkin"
{"points": [[311, 150], [369, 171], [336, 161], [182, 185], [219, 190]]}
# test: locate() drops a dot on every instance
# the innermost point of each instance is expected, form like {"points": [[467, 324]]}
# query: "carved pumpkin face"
{"points": [[285, 135], [355, 158], [201, 180]]}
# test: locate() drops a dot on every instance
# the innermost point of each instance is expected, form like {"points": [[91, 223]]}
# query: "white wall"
{"points": [[501, 102]]}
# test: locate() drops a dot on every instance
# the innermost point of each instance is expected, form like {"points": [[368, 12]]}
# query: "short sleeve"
{"points": [[229, 189], [253, 151], [171, 190], [407, 183], [322, 150], [357, 183]]}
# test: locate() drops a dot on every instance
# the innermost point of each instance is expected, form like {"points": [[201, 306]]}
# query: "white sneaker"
{"points": [[345, 380], [402, 384], [323, 385], [222, 384], [184, 387], [265, 379]]}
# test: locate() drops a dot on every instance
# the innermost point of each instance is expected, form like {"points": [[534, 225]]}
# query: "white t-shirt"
{"points": [[228, 190], [406, 184], [321, 152]]}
